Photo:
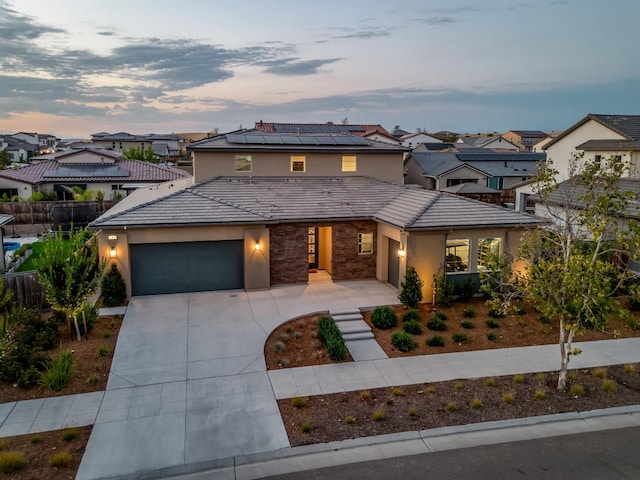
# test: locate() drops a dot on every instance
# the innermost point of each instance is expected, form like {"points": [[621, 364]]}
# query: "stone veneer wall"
{"points": [[289, 262], [346, 263]]}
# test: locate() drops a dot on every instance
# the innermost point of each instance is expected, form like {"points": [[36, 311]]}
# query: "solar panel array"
{"points": [[65, 171], [255, 139], [315, 128], [510, 157]]}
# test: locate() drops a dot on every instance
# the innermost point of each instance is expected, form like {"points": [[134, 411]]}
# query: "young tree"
{"points": [[411, 293], [69, 271], [113, 287], [576, 262], [139, 153]]}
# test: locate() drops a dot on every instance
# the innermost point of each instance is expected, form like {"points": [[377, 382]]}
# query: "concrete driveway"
{"points": [[188, 385]]}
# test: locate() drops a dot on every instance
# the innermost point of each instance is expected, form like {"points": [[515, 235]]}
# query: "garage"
{"points": [[159, 268]]}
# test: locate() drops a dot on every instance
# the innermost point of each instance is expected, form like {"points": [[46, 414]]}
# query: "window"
{"points": [[297, 163], [116, 187], [348, 163], [457, 181], [496, 183], [487, 248], [243, 163], [597, 159], [457, 255], [365, 243]]}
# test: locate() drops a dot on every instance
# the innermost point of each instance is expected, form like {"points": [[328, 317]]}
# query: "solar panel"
{"points": [[86, 171], [291, 140], [305, 139]]}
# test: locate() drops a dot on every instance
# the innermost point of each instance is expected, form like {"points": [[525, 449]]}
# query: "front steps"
{"points": [[357, 335]]}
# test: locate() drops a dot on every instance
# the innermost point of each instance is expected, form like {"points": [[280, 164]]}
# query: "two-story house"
{"points": [[491, 142], [165, 145], [269, 208], [525, 139]]}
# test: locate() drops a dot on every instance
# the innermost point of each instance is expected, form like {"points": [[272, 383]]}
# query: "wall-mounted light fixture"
{"points": [[402, 252], [112, 240], [257, 246]]}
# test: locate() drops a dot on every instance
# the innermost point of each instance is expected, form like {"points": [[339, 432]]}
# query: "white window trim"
{"points": [[361, 243]]}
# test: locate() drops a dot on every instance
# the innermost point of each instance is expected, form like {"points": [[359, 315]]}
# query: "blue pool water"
{"points": [[10, 246]]}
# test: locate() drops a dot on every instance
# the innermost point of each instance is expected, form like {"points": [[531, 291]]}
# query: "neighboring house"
{"points": [[18, 150], [372, 132], [525, 139], [498, 170], [259, 153], [595, 137], [46, 143], [124, 141], [494, 142], [255, 232], [4, 219], [88, 169], [415, 139], [438, 147], [399, 132]]}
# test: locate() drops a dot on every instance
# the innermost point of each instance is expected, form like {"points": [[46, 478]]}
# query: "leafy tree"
{"points": [[5, 159], [576, 263], [140, 153], [411, 293], [69, 271], [113, 287]]}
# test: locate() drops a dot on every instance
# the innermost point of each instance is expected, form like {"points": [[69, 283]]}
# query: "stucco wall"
{"points": [[384, 166], [425, 253], [384, 233], [463, 173], [256, 260]]}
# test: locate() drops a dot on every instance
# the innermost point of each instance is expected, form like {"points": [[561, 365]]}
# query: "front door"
{"points": [[312, 247]]}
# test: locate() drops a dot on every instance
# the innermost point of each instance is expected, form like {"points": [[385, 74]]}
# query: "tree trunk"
{"points": [[84, 322], [77, 325], [566, 339]]}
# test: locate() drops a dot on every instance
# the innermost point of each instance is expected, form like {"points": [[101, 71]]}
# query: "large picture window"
{"points": [[297, 163], [488, 248], [243, 163], [365, 243], [457, 255]]}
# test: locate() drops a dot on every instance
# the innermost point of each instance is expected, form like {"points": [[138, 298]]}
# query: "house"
{"points": [[525, 139], [123, 141], [99, 170], [46, 143], [4, 219], [18, 150], [415, 139], [493, 142], [267, 208], [372, 132], [595, 137]]}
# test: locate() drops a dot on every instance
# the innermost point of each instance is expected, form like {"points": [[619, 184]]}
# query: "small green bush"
{"points": [[492, 323], [469, 312], [411, 288], [413, 328], [634, 298], [444, 290], [113, 287], [413, 413], [518, 378], [460, 337], [378, 413], [34, 439], [299, 402], [629, 368], [59, 371], [306, 427], [468, 324], [60, 459], [384, 318], [491, 336], [349, 420], [490, 382], [436, 324], [92, 379], [103, 351], [397, 392], [633, 322], [599, 372], [476, 403], [508, 398], [467, 289], [411, 315], [451, 407], [436, 341], [69, 434], [403, 341], [12, 461], [608, 386], [577, 390], [440, 316], [539, 395], [332, 338]]}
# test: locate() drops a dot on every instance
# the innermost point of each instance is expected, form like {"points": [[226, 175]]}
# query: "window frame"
{"points": [[297, 159], [455, 265], [479, 253], [349, 158], [246, 158], [362, 243]]}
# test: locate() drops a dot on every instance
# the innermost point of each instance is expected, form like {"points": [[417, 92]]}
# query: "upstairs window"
{"points": [[298, 163], [243, 163], [348, 163]]}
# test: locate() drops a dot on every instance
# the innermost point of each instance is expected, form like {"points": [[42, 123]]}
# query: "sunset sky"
{"points": [[73, 68]]}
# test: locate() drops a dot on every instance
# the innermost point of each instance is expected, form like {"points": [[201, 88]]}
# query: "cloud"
{"points": [[365, 33], [289, 67], [106, 33], [444, 20], [17, 27]]}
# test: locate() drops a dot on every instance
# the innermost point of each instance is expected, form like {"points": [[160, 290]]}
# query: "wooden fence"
{"points": [[41, 213], [27, 291]]}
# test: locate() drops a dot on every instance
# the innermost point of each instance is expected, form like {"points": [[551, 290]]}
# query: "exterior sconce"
{"points": [[401, 252], [257, 246], [112, 240]]}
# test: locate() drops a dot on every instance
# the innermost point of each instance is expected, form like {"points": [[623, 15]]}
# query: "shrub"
{"points": [[491, 323], [299, 402], [436, 324], [539, 395], [11, 461], [469, 312], [403, 341], [541, 377], [60, 459], [397, 392], [431, 389], [306, 427], [411, 315], [440, 316], [459, 385], [468, 324], [460, 337], [629, 368], [278, 346], [91, 314], [436, 341], [35, 439], [411, 293], [490, 382], [491, 336], [633, 322], [103, 351], [69, 434], [3, 444], [496, 308], [59, 371], [413, 328], [508, 398], [467, 289], [413, 413], [349, 420], [113, 287], [365, 395], [378, 413], [444, 290], [634, 298], [384, 318], [92, 379], [332, 338], [476, 403], [577, 390], [608, 386], [518, 378], [451, 407], [599, 372]]}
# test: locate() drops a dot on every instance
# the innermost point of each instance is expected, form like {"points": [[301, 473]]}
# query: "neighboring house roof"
{"points": [[128, 137], [268, 200], [436, 164], [609, 145], [351, 129], [123, 171], [628, 126], [256, 140], [4, 219], [429, 146], [469, 187], [160, 149], [530, 133]]}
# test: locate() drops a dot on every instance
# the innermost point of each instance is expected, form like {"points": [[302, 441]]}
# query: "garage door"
{"points": [[186, 267]]}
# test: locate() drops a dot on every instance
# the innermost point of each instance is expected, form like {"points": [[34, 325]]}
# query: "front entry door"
{"points": [[312, 247]]}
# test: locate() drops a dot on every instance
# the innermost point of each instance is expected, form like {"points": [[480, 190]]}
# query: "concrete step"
{"points": [[353, 327], [347, 317], [365, 349], [350, 337], [344, 311]]}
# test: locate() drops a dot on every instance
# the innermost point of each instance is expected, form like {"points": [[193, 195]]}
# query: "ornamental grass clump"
{"points": [[59, 371]]}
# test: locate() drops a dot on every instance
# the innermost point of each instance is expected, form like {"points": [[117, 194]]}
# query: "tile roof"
{"points": [[266, 200], [469, 187], [353, 129], [609, 145], [493, 164], [530, 133], [628, 126]]}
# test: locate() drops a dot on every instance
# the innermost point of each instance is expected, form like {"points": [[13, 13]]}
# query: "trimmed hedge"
{"points": [[331, 336], [384, 318]]}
